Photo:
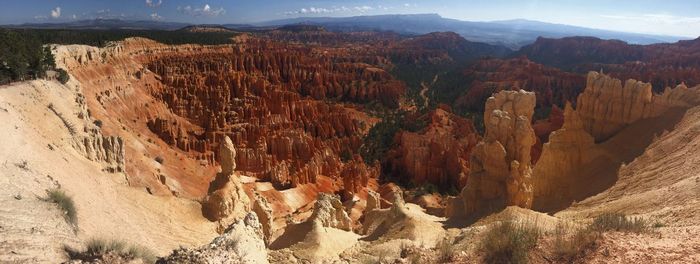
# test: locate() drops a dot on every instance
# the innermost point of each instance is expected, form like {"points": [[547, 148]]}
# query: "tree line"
{"points": [[24, 54]]}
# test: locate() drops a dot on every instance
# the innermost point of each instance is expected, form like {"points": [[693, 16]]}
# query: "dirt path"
{"points": [[425, 88]]}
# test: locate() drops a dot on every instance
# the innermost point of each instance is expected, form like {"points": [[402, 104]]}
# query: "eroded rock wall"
{"points": [[269, 102], [606, 105], [583, 157], [568, 149], [438, 155]]}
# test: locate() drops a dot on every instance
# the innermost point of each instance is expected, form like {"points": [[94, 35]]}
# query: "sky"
{"points": [[665, 17]]}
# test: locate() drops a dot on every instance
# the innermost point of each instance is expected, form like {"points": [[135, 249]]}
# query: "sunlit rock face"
{"points": [[577, 161], [606, 105], [501, 164]]}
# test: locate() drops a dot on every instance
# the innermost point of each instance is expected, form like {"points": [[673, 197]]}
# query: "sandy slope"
{"points": [[32, 230], [662, 183]]}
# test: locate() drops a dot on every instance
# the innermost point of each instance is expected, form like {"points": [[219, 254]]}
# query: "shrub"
{"points": [[96, 248], [445, 250], [66, 204], [62, 76], [509, 242], [24, 165], [658, 224], [66, 123], [569, 244], [618, 222], [405, 249]]}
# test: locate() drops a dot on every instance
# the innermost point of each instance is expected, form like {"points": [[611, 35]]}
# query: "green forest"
{"points": [[23, 55]]}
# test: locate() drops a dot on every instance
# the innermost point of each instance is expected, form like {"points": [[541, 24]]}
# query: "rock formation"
{"points": [[109, 150], [606, 106], [282, 129], [226, 200], [329, 212], [577, 161], [261, 207], [552, 85], [501, 164], [662, 65], [437, 155], [373, 201], [568, 149], [356, 175], [242, 242], [106, 149]]}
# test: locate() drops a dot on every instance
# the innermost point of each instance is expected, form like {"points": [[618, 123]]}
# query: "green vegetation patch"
{"points": [[65, 202]]}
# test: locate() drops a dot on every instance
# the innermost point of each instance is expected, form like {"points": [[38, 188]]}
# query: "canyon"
{"points": [[255, 151]]}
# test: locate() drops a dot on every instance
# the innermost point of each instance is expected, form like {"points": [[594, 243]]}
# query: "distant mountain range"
{"points": [[105, 24], [510, 33]]}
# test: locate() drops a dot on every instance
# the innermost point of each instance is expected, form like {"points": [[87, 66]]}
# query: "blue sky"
{"points": [[669, 17]]}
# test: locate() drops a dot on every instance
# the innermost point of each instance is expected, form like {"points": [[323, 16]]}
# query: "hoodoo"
{"points": [[501, 173], [322, 142], [226, 201]]}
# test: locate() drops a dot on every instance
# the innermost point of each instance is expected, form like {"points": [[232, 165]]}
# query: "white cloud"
{"points": [[343, 9], [155, 16], [206, 10], [56, 12], [153, 3], [74, 17], [363, 9], [314, 10]]}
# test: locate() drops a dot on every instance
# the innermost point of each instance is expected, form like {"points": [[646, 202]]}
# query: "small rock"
{"points": [[18, 197]]}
